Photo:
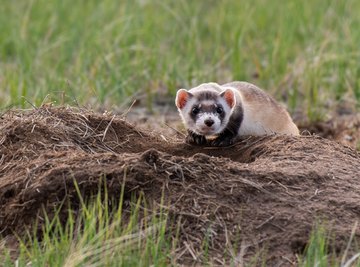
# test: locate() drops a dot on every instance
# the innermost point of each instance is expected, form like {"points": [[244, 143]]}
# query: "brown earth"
{"points": [[267, 191]]}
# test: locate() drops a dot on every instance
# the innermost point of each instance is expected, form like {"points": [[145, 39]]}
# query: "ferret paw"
{"points": [[196, 139], [222, 142]]}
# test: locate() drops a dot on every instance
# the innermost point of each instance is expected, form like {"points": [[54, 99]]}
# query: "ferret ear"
{"points": [[229, 97], [182, 96]]}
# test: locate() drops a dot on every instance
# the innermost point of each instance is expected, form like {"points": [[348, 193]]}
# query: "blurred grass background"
{"points": [[102, 53]]}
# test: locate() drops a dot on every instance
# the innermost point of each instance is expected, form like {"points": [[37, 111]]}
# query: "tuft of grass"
{"points": [[98, 235], [103, 53], [317, 252]]}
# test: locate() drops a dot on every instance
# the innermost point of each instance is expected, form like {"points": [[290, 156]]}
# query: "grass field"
{"points": [[101, 53]]}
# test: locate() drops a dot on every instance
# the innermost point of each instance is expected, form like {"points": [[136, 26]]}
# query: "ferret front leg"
{"points": [[193, 138], [226, 138]]}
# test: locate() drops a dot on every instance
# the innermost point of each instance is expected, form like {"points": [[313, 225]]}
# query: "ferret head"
{"points": [[205, 112]]}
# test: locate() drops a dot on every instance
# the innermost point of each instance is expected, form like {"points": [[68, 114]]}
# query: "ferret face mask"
{"points": [[205, 112]]}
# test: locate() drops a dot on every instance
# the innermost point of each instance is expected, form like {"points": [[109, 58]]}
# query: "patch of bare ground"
{"points": [[344, 129], [266, 192]]}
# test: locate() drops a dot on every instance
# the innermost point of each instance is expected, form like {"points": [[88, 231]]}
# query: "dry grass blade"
{"points": [[350, 262], [353, 231]]}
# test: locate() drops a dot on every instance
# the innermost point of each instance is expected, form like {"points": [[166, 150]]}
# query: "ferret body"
{"points": [[217, 115]]}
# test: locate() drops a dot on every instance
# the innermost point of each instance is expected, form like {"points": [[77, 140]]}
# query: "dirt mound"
{"points": [[268, 191]]}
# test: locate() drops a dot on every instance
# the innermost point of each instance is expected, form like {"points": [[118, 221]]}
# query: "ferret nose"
{"points": [[209, 122]]}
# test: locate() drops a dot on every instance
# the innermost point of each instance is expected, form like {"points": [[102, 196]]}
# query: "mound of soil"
{"points": [[268, 191]]}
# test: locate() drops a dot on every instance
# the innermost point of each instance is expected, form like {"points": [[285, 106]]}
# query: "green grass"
{"points": [[318, 251], [103, 52], [98, 236]]}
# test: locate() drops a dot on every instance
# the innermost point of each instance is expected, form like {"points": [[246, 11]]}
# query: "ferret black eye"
{"points": [[219, 110], [195, 110]]}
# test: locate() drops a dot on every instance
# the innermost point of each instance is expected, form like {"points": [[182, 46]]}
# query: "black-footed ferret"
{"points": [[216, 114]]}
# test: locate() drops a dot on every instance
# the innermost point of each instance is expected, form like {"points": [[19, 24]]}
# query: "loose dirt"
{"points": [[264, 194]]}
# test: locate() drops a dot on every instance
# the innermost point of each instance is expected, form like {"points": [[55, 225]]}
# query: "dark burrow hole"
{"points": [[9, 193], [234, 153], [298, 246]]}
